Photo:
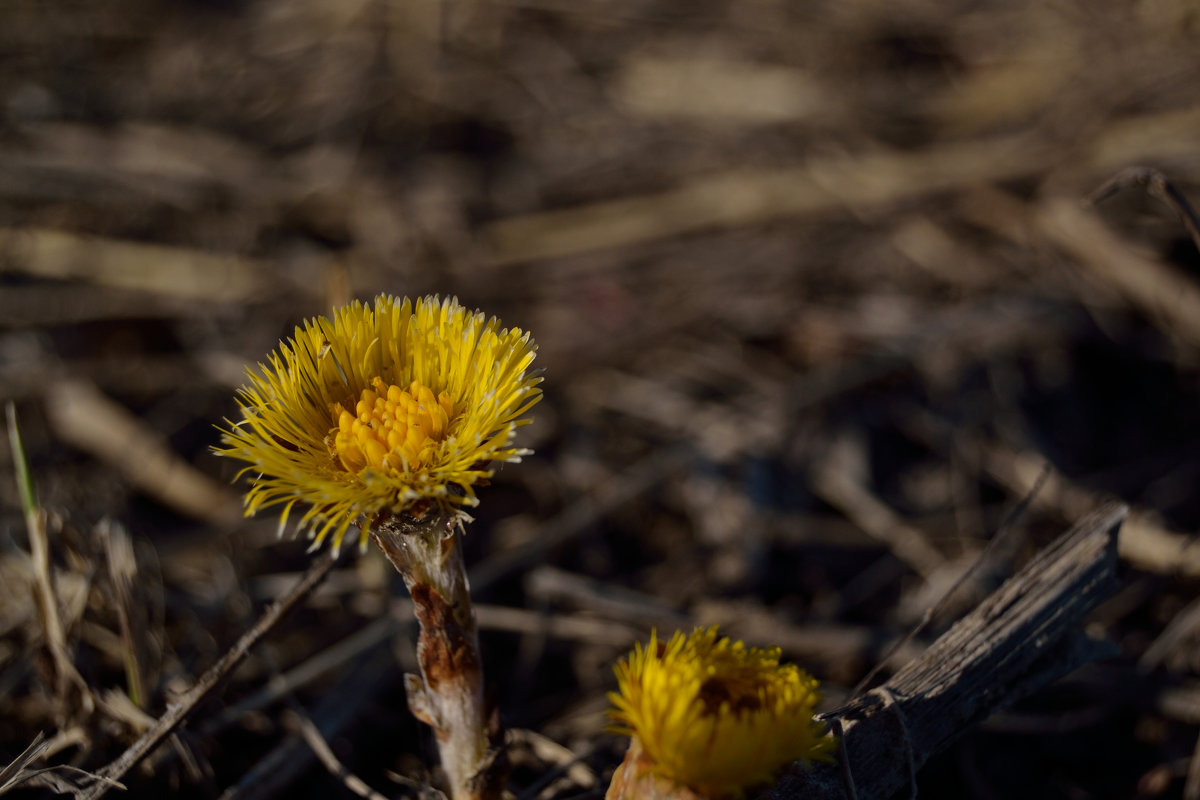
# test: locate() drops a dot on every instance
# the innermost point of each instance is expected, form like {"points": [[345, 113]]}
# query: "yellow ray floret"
{"points": [[381, 408], [714, 715]]}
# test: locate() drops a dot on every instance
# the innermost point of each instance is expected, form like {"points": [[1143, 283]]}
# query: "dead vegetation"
{"points": [[819, 292]]}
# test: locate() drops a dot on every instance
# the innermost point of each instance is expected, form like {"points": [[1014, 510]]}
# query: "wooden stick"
{"points": [[1026, 634], [177, 712]]}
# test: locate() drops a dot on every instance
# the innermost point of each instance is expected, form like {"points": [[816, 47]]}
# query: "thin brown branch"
{"points": [[60, 779], [337, 708], [179, 711], [304, 726]]}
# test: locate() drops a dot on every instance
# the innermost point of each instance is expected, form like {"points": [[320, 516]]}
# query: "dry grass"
{"points": [[816, 291]]}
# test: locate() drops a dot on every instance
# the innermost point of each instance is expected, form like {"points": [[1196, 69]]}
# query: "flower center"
{"points": [[391, 427], [717, 692]]}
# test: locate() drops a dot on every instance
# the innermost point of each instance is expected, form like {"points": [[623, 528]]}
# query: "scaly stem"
{"points": [[448, 695], [634, 780]]}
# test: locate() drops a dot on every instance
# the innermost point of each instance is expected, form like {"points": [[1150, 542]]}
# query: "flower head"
{"points": [[382, 409], [714, 715]]}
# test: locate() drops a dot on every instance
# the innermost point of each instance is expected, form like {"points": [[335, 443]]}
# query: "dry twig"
{"points": [[1156, 185], [179, 711], [297, 723], [1020, 638], [338, 706]]}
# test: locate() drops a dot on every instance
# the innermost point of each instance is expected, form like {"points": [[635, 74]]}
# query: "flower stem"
{"points": [[634, 779], [448, 695]]}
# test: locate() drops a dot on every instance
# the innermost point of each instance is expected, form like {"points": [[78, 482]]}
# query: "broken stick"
{"points": [[1025, 635]]}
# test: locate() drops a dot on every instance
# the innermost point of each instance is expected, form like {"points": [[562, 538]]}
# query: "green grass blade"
{"points": [[24, 475]]}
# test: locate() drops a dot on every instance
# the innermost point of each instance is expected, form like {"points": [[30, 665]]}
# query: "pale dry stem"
{"points": [[66, 677], [448, 695]]}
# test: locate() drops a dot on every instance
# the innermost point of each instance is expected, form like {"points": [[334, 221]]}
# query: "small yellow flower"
{"points": [[714, 715], [380, 410]]}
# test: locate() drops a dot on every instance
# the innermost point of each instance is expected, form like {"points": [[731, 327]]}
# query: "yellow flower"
{"points": [[714, 715], [380, 410]]}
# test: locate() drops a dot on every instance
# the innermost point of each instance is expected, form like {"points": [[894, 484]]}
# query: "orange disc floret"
{"points": [[391, 427]]}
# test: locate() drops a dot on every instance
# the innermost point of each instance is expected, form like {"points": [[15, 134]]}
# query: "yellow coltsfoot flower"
{"points": [[382, 409], [712, 717]]}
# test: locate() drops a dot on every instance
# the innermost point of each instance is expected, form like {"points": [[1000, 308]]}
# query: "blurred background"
{"points": [[818, 292]]}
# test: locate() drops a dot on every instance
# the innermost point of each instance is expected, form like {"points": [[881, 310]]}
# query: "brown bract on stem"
{"points": [[448, 695], [634, 780]]}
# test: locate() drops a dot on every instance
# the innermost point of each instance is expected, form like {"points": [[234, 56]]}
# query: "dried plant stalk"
{"points": [[448, 695], [1024, 635]]}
